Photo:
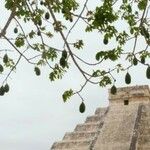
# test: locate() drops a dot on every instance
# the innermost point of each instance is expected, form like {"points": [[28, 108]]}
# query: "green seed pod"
{"points": [[131, 31], [2, 91], [44, 55], [63, 10], [6, 88], [148, 72], [127, 78], [82, 107], [144, 32], [16, 30], [37, 71], [38, 33], [62, 62], [47, 16], [1, 68], [147, 34], [64, 54], [5, 59], [40, 22], [143, 60], [105, 41], [113, 89], [71, 20], [135, 61], [41, 3]]}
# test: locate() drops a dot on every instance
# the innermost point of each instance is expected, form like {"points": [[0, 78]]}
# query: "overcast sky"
{"points": [[33, 115]]}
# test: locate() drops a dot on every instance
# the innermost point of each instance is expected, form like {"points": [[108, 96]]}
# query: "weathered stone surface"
{"points": [[121, 126], [94, 119], [79, 135], [118, 129], [87, 127], [100, 111], [143, 148], [144, 129], [132, 93], [145, 139], [84, 135], [117, 146], [72, 144]]}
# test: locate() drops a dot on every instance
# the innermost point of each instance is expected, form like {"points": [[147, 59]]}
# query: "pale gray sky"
{"points": [[33, 115]]}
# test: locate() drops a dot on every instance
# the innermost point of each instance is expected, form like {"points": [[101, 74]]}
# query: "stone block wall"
{"points": [[121, 126], [132, 94]]}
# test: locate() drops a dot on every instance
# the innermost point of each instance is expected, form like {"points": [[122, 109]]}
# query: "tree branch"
{"points": [[3, 31], [68, 47]]}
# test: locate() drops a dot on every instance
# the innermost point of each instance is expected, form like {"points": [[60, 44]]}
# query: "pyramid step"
{"points": [[87, 127], [112, 146], [94, 118], [145, 118], [72, 149], [144, 139], [145, 114], [122, 108], [145, 123], [120, 111], [79, 135], [82, 144], [145, 131], [100, 111], [143, 147]]}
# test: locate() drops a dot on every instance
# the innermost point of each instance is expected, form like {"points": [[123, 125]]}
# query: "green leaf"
{"points": [[99, 55], [67, 94], [57, 73], [9, 4], [49, 54], [19, 42], [31, 34], [96, 73], [142, 4], [79, 44], [104, 15], [105, 81]]}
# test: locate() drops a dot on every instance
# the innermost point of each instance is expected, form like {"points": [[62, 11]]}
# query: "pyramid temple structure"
{"points": [[124, 125]]}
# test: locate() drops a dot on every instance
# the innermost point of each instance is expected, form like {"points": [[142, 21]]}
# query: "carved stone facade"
{"points": [[132, 94], [124, 125]]}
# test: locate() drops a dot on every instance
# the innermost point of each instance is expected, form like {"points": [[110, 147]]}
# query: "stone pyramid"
{"points": [[124, 125]]}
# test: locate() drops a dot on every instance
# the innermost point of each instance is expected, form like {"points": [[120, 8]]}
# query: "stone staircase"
{"points": [[144, 129], [118, 128], [84, 135], [126, 126]]}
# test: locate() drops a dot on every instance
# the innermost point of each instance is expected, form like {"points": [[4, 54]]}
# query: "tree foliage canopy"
{"points": [[46, 19]]}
